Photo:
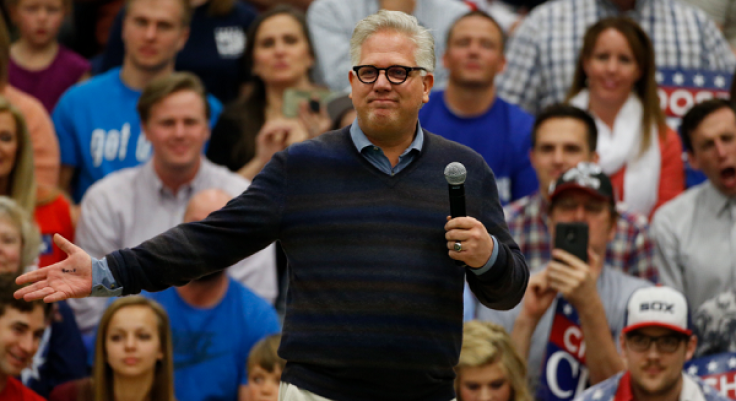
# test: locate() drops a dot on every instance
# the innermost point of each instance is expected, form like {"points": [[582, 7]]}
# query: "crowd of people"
{"points": [[186, 103]]}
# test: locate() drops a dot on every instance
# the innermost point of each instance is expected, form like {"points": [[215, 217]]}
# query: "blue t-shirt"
{"points": [[211, 346], [502, 135], [99, 130]]}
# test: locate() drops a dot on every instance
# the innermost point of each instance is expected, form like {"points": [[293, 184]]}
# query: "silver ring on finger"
{"points": [[458, 246]]}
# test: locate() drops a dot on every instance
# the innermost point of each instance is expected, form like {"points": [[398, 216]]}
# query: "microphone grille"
{"points": [[455, 173]]}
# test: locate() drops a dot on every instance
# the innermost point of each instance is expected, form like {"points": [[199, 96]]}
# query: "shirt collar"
{"points": [[714, 200], [690, 390], [149, 174], [624, 393], [361, 141]]}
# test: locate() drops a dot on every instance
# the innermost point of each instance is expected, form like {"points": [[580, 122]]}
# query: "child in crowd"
{"points": [[38, 65], [489, 367], [264, 370]]}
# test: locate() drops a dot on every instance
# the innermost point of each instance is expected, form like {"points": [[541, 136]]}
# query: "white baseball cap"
{"points": [[657, 306]]}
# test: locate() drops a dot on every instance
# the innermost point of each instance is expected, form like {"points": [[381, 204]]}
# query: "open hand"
{"points": [[70, 278], [315, 123], [573, 278]]}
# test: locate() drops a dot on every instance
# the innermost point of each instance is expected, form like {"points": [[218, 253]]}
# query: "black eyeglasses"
{"points": [[396, 74], [667, 344]]}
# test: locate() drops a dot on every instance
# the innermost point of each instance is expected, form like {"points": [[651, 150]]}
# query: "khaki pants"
{"points": [[290, 392]]}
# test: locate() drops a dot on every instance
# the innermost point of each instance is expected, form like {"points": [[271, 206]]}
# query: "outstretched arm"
{"points": [[246, 225], [70, 278]]}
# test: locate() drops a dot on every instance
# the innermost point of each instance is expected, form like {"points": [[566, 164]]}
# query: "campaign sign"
{"points": [[718, 371], [679, 90], [47, 244], [564, 374]]}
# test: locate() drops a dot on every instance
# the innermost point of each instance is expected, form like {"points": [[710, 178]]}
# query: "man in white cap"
{"points": [[655, 343]]}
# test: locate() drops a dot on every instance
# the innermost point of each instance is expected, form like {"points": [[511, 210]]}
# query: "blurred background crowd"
{"points": [[120, 119]]}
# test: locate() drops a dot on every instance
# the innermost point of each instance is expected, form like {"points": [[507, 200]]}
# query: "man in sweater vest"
{"points": [[376, 266]]}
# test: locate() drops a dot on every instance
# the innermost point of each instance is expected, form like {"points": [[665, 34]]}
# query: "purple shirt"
{"points": [[48, 84]]}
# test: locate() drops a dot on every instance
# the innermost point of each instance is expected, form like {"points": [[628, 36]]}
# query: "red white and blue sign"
{"points": [[564, 375], [718, 371]]}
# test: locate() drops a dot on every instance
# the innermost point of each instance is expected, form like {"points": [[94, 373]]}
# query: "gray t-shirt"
{"points": [[614, 289]]}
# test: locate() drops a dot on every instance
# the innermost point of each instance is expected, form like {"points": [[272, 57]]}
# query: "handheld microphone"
{"points": [[455, 175]]}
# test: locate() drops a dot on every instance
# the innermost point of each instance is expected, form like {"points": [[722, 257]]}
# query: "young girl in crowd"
{"points": [[38, 65], [264, 370], [47, 204], [489, 367], [278, 56], [133, 356], [614, 80]]}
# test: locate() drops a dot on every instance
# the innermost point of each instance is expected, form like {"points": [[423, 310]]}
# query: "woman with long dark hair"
{"points": [[278, 57]]}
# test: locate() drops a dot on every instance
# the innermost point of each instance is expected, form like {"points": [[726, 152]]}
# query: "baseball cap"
{"points": [[657, 306], [588, 177]]}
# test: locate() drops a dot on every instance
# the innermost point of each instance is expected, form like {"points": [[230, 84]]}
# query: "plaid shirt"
{"points": [[544, 49], [631, 251]]}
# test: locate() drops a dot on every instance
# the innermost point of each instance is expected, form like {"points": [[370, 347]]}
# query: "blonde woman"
{"points": [[489, 369], [133, 356], [21, 241], [49, 207]]}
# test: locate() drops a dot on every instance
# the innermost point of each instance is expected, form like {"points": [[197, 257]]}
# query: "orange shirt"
{"points": [[46, 154], [671, 176]]}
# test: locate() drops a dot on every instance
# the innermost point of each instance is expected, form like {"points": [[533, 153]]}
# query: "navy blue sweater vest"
{"points": [[374, 308]]}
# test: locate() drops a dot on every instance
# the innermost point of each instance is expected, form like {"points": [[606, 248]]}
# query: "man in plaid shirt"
{"points": [[543, 51], [562, 137]]}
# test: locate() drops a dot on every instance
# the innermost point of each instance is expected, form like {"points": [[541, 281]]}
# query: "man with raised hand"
{"points": [[572, 297]]}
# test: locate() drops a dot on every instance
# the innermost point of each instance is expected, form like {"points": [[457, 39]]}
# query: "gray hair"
{"points": [[399, 22], [30, 237]]}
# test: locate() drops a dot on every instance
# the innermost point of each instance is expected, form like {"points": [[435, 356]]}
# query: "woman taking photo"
{"points": [[278, 57], [489, 368], [614, 80], [133, 356]]}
